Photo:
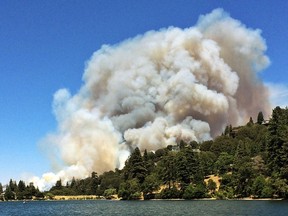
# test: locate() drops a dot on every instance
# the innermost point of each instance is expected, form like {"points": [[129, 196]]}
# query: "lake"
{"points": [[155, 207]]}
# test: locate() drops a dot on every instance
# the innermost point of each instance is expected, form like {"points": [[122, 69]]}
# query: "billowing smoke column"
{"points": [[157, 89]]}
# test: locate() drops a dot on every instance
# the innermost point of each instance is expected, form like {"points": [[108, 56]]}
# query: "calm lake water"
{"points": [[158, 208]]}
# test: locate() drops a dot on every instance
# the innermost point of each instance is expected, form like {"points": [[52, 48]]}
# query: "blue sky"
{"points": [[44, 46]]}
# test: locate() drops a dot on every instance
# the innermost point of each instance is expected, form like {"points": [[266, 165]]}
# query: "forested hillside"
{"points": [[249, 161]]}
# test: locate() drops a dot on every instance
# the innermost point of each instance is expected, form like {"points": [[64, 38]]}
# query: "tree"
{"points": [[9, 194], [243, 150], [280, 187], [224, 163], [166, 169], [211, 186], [193, 164], [73, 183], [194, 144], [254, 137], [183, 172], [243, 178], [278, 139], [227, 181], [207, 162], [1, 188], [148, 162], [260, 118], [226, 131], [170, 193], [21, 186], [58, 184], [21, 190], [230, 129], [145, 156], [182, 145], [195, 191], [251, 122], [135, 167], [267, 192], [109, 180], [150, 185], [258, 186], [13, 185], [223, 144], [258, 165], [94, 183], [206, 145], [31, 190], [159, 154], [130, 190], [108, 193]]}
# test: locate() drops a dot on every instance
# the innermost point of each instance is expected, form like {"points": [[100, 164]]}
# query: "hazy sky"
{"points": [[44, 46]]}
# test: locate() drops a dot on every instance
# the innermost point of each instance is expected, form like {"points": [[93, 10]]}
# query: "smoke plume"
{"points": [[157, 89]]}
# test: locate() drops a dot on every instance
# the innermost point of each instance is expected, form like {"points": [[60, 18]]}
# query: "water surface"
{"points": [[155, 207]]}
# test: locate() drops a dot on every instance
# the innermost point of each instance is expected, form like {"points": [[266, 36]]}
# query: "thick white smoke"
{"points": [[157, 89]]}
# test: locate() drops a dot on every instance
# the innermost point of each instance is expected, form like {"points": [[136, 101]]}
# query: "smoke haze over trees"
{"points": [[248, 161]]}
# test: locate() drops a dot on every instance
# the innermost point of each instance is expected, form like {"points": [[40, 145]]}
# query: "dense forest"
{"points": [[246, 161]]}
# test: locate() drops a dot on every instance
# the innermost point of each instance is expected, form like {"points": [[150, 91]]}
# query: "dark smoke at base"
{"points": [[156, 89]]}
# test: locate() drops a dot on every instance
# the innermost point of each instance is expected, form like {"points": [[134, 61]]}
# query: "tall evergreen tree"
{"points": [[260, 118], [73, 183], [182, 169], [226, 131], [278, 139], [58, 184], [167, 169], [94, 181], [145, 156], [135, 167], [21, 186], [9, 194], [13, 185]]}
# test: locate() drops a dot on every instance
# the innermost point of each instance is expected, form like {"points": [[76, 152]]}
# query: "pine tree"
{"points": [[145, 156], [73, 183], [94, 183], [135, 167], [58, 185], [230, 130], [9, 194], [226, 131], [12, 185], [260, 118], [278, 139], [167, 169]]}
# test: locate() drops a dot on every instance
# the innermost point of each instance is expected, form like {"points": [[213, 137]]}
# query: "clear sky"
{"points": [[44, 46]]}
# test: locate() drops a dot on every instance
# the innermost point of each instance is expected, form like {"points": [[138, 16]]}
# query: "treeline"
{"points": [[20, 191], [249, 161], [88, 186]]}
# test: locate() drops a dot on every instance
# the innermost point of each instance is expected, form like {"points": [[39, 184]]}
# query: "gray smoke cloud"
{"points": [[157, 89]]}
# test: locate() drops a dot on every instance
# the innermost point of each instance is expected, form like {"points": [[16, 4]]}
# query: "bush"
{"points": [[225, 194], [172, 193], [267, 192], [108, 193], [195, 192], [129, 190]]}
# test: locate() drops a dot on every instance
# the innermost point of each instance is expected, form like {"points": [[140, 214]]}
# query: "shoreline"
{"points": [[93, 197]]}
